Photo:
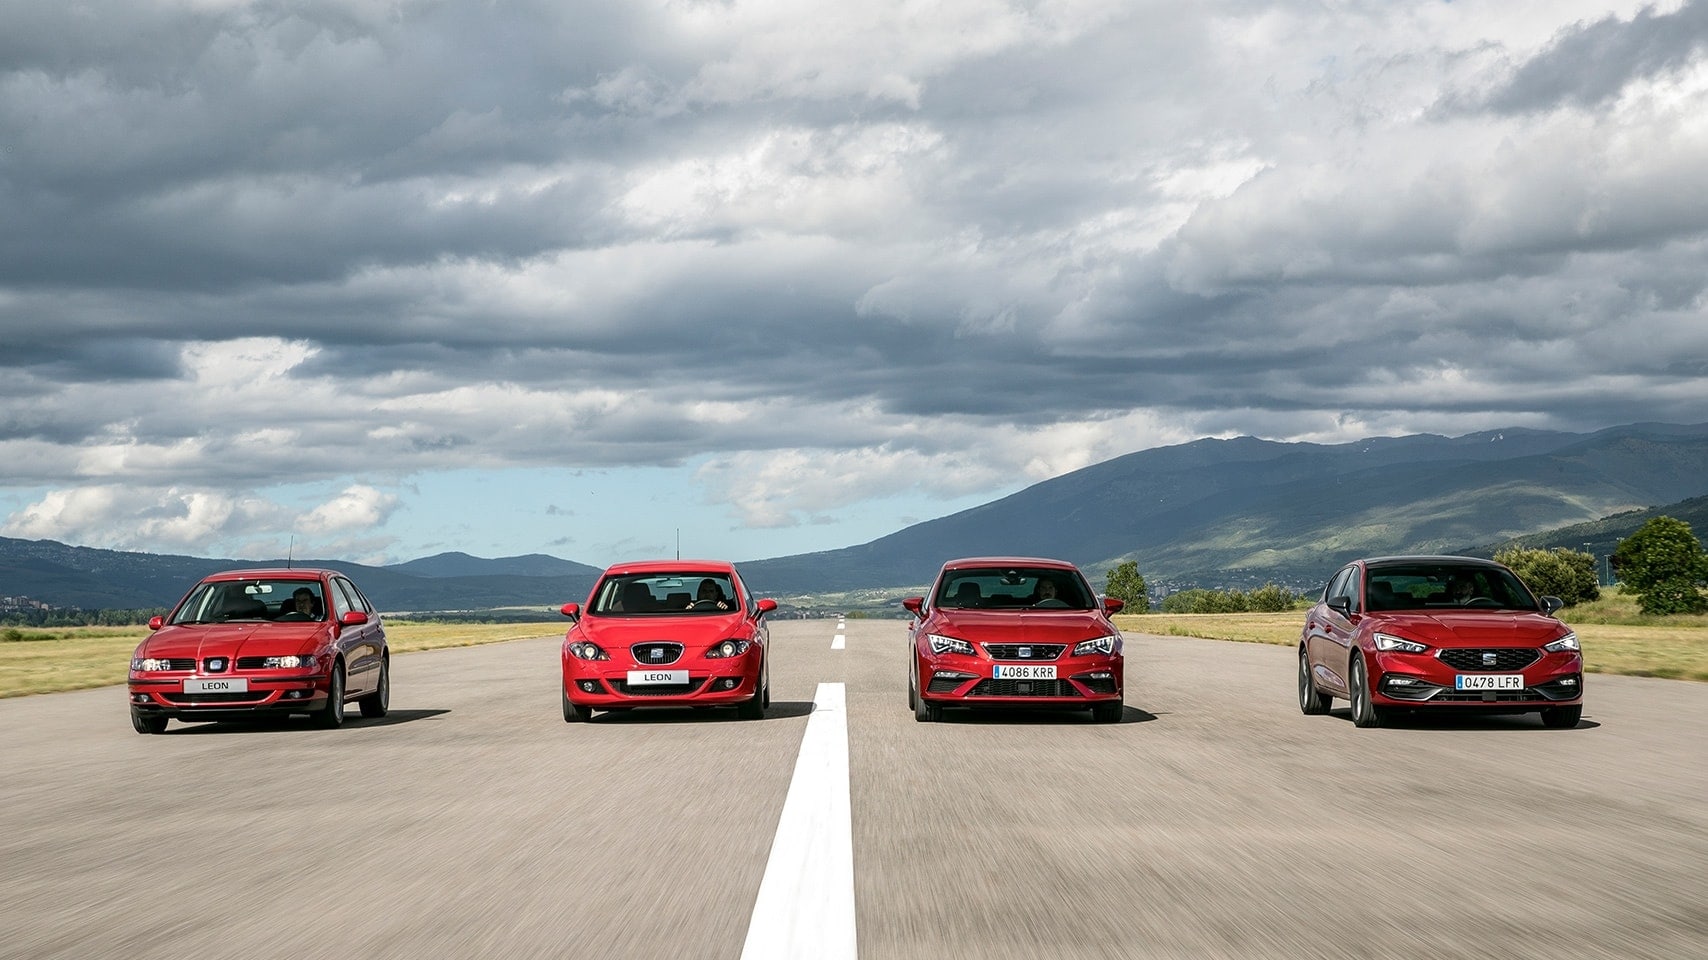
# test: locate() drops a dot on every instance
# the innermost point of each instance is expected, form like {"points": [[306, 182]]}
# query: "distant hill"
{"points": [[1601, 537], [86, 577], [1243, 512]]}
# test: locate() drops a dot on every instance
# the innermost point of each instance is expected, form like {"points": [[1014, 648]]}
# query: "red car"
{"points": [[1427, 634], [262, 642], [667, 633], [1013, 632]]}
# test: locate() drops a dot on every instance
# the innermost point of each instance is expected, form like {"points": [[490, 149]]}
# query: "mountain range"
{"points": [[1213, 513]]}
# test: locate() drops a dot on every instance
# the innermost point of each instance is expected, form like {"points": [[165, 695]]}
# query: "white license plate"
{"points": [[219, 685], [1025, 671], [657, 678], [1488, 681]]}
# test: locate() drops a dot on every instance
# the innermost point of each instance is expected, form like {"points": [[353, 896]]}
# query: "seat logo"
{"points": [[1489, 658], [1025, 652], [658, 653], [216, 665]]}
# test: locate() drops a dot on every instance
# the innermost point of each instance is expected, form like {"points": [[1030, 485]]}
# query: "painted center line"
{"points": [[805, 907], [839, 641]]}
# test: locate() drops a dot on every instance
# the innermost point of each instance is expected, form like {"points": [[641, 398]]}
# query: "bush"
{"points": [[1270, 598], [1567, 574], [1664, 565]]}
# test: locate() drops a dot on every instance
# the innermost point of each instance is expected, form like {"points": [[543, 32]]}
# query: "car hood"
{"points": [[1016, 626], [695, 633], [231, 639], [1466, 628]]}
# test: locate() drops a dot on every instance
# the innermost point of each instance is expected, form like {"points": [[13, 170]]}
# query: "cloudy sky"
{"points": [[393, 277]]}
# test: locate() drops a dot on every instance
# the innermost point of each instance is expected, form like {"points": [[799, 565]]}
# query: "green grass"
{"points": [[1616, 637], [76, 658]]}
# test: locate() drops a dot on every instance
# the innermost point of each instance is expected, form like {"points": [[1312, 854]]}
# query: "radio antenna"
{"points": [[291, 554]]}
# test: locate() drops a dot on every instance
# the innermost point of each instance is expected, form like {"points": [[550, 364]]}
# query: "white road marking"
{"points": [[805, 907], [838, 642]]}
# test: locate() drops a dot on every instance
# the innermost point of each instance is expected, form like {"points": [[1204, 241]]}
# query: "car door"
{"points": [[352, 639], [1335, 631]]}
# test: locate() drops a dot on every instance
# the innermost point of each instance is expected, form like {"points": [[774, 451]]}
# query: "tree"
{"points": [[1664, 565], [1567, 574], [1127, 586], [1270, 598]]}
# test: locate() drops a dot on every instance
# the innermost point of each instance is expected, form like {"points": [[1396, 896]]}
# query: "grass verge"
{"points": [[76, 658]]}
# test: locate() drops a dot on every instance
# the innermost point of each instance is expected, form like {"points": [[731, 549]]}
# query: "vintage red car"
{"points": [[1013, 632], [1428, 634], [245, 643], [667, 633]]}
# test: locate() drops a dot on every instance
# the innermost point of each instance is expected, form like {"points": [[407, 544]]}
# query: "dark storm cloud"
{"points": [[1589, 63]]}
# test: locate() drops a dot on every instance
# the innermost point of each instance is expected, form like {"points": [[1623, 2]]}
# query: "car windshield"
{"points": [[1013, 588], [687, 593], [219, 601], [1437, 586]]}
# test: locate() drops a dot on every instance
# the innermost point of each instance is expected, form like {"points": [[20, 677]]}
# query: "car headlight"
{"points": [[1387, 641], [1096, 645], [150, 664], [728, 649], [941, 644], [301, 661], [582, 650], [1567, 642]]}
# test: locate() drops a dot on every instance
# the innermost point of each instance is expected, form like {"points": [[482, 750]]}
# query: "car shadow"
{"points": [[1020, 716], [778, 710], [1515, 722], [294, 724]]}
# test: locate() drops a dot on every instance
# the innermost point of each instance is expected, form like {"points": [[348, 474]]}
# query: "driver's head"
{"points": [[1047, 588], [709, 591], [303, 597]]}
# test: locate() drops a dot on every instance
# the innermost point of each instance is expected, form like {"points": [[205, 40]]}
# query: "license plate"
{"points": [[220, 685], [657, 678], [1488, 681], [1027, 671]]}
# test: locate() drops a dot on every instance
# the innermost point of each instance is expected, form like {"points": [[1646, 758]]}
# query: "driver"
{"points": [[709, 594], [1046, 590]]}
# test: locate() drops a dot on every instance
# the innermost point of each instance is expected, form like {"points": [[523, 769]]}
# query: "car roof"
{"points": [[1431, 558], [671, 566], [274, 573], [1008, 562]]}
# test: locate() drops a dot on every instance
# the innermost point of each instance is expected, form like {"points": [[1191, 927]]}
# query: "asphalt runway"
{"points": [[1215, 822]]}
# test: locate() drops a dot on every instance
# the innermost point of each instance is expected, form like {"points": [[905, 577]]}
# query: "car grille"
{"points": [[197, 699], [1506, 658], [656, 652], [1498, 696], [181, 663], [1011, 651], [655, 690], [1032, 688]]}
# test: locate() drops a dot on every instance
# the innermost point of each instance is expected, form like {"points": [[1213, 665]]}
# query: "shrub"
{"points": [[1567, 574], [1664, 565]]}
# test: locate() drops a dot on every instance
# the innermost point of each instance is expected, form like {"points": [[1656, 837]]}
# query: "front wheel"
{"points": [[144, 724], [1364, 712], [331, 716], [1562, 718], [754, 708], [377, 703], [575, 712], [1109, 711], [1312, 702]]}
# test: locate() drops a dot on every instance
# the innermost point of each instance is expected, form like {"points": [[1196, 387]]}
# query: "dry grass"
{"points": [[1672, 647], [75, 658]]}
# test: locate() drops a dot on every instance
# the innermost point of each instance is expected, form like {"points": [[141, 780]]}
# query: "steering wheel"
{"points": [[293, 615], [1482, 602], [705, 605]]}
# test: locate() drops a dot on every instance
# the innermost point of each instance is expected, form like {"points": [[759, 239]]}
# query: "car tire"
{"points": [[1312, 702], [752, 708], [575, 712], [376, 704], [143, 724], [912, 687], [1364, 713], [1109, 711], [1562, 718], [331, 716], [926, 712]]}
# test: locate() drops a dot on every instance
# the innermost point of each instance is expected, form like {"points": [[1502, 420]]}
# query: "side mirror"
{"points": [[155, 623], [1113, 604], [571, 610], [913, 604], [763, 607], [1552, 605], [1341, 605], [354, 618]]}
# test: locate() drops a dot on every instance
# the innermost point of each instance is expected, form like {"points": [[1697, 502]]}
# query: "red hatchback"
{"points": [[667, 633], [262, 642], [1013, 632], [1429, 634]]}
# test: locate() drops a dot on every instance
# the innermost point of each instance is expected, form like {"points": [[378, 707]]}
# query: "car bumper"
{"points": [[266, 694], [710, 683], [1079, 682], [1424, 681]]}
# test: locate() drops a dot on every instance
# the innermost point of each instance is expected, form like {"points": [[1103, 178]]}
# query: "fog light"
{"points": [[1101, 675], [589, 686], [950, 675], [296, 694], [1401, 681], [1569, 682], [139, 698], [730, 683]]}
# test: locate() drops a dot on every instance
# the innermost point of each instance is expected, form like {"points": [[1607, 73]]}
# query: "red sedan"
{"points": [[667, 633], [1428, 634], [1013, 632], [262, 642]]}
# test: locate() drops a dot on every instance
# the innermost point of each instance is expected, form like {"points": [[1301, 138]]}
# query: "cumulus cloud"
{"points": [[830, 251]]}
